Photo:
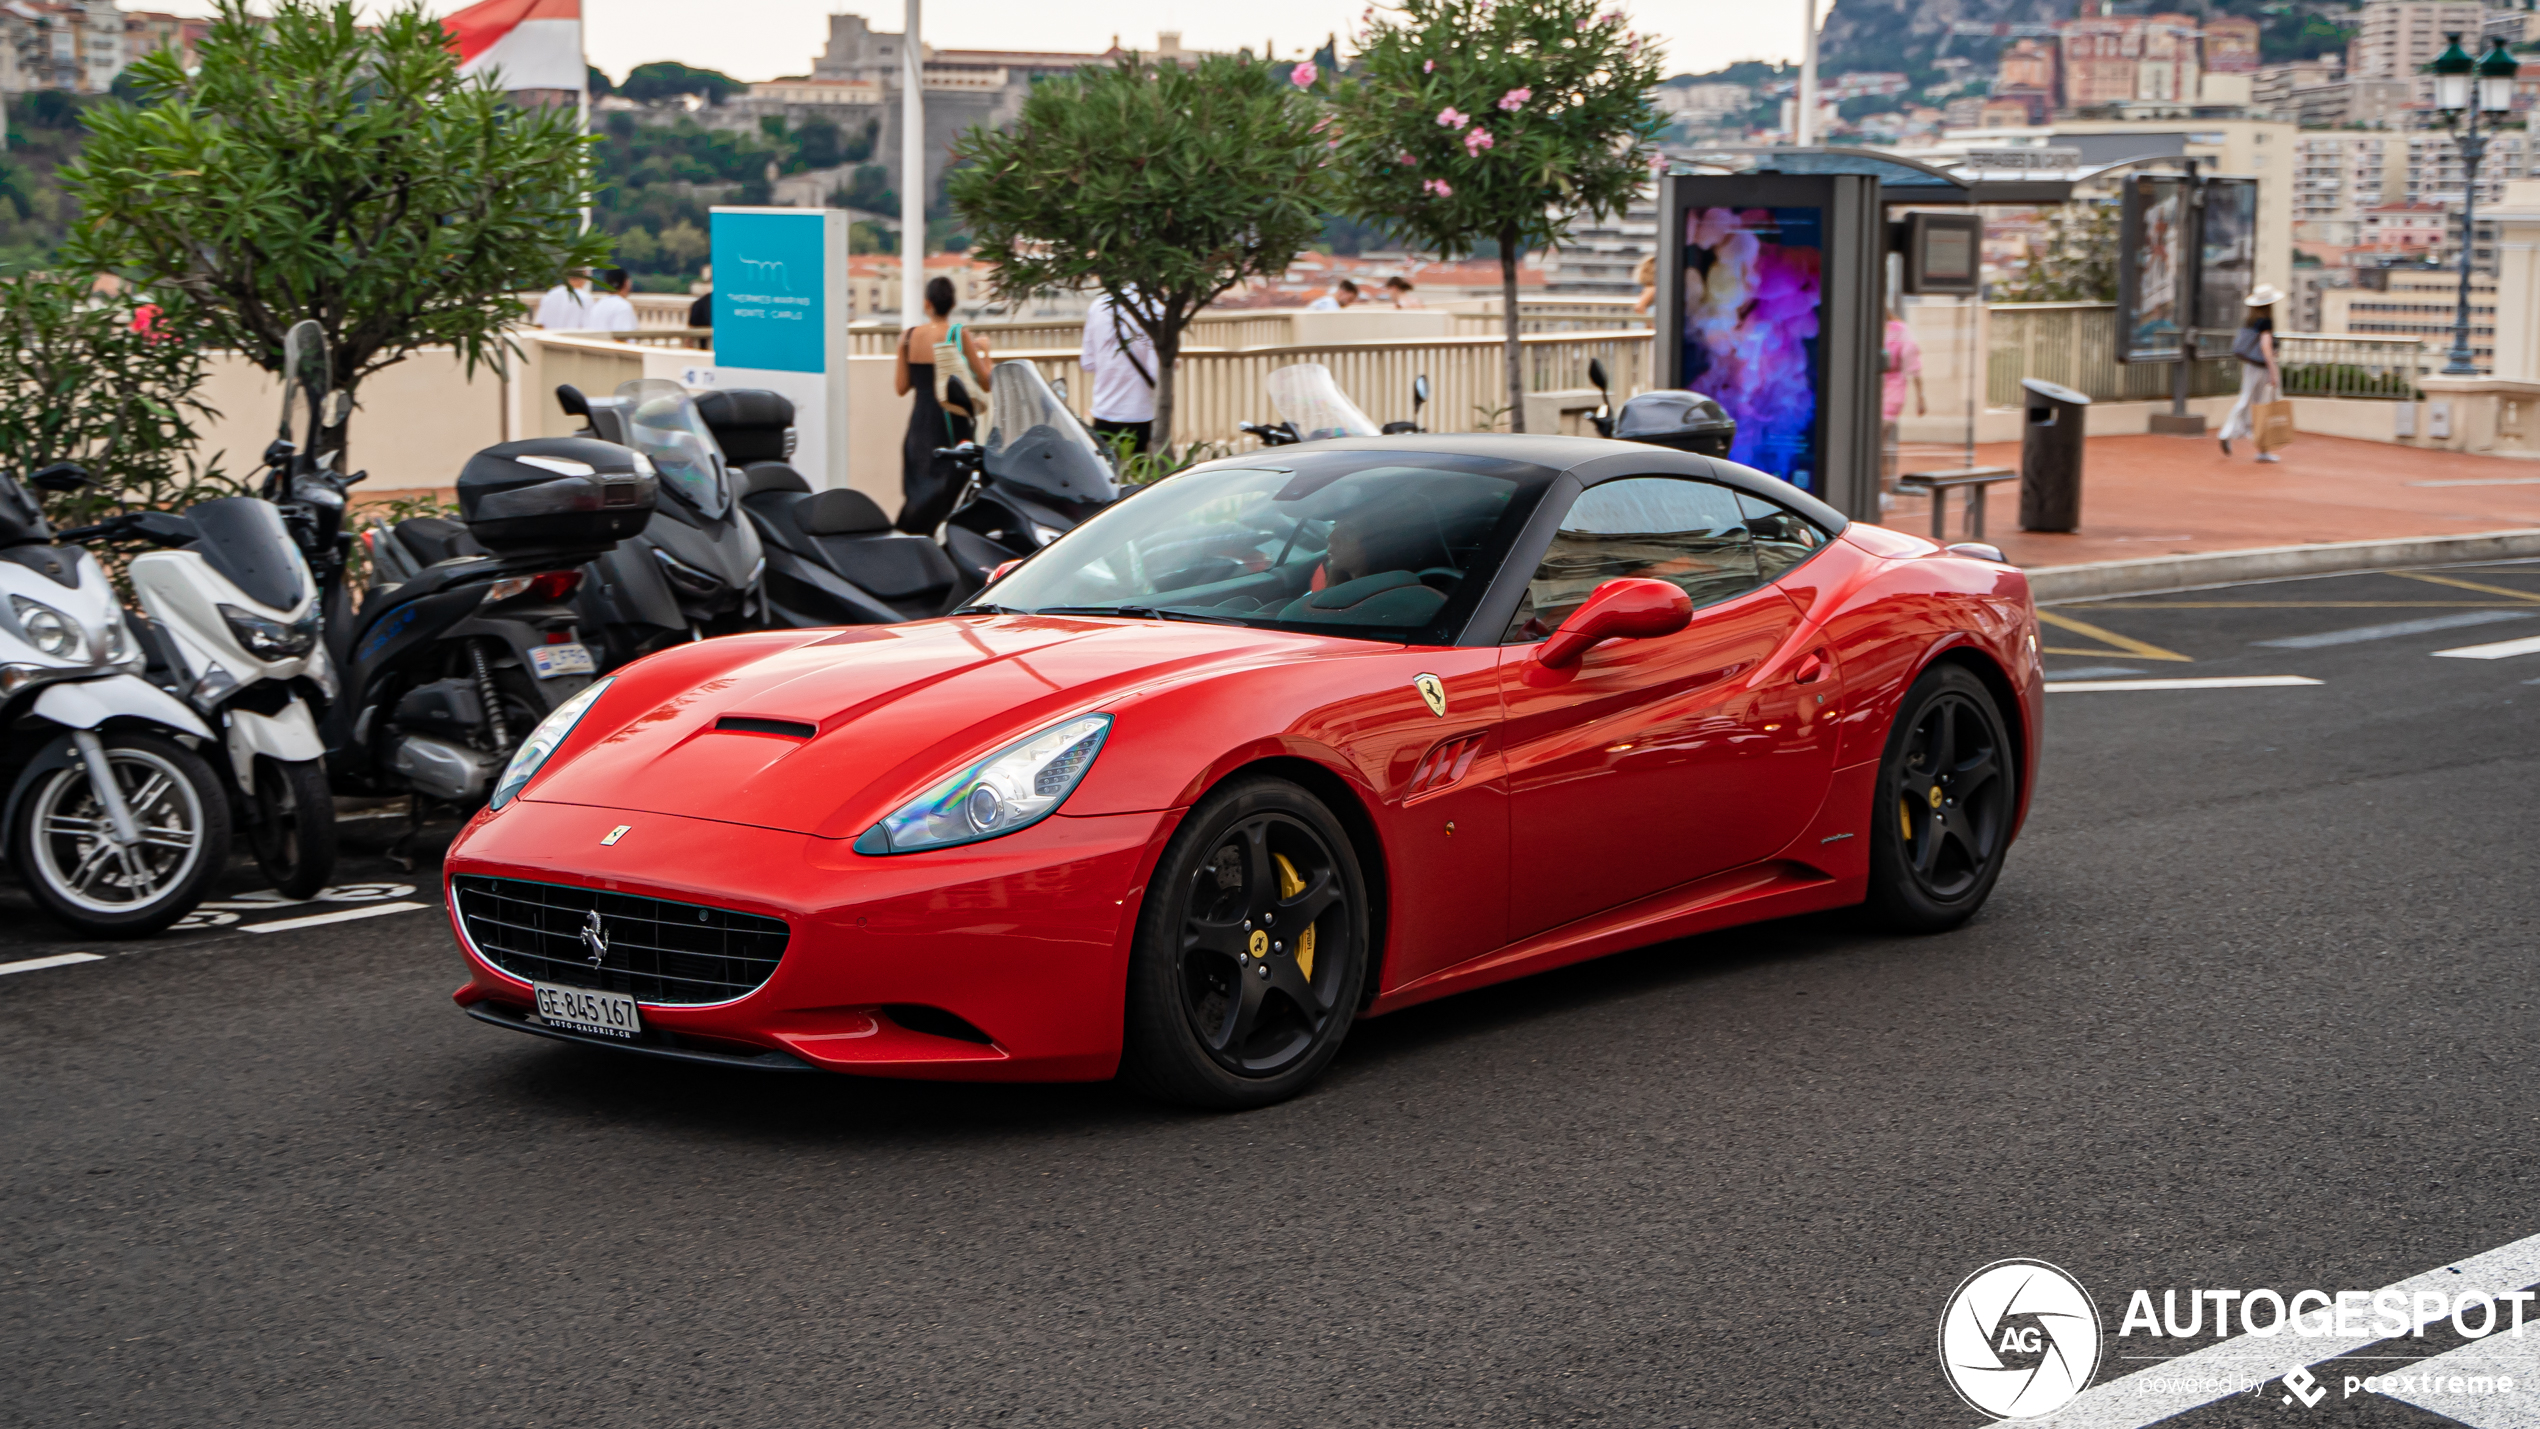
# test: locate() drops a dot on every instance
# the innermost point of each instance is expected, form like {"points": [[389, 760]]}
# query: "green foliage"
{"points": [[2078, 260], [658, 181], [315, 168], [109, 383], [1164, 186], [35, 215], [664, 80], [1474, 119]]}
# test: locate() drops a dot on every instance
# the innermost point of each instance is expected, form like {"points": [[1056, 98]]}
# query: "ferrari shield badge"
{"points": [[1433, 690]]}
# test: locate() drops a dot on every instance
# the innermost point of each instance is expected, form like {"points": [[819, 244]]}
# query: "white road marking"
{"points": [[2238, 1363], [2427, 1384], [367, 910], [2362, 633], [2093, 672], [2497, 651], [2210, 682], [58, 960]]}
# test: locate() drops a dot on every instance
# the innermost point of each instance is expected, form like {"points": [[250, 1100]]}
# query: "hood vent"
{"points": [[751, 724]]}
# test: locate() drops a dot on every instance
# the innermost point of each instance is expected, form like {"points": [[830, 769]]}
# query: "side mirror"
{"points": [[60, 476], [1419, 393], [1629, 609], [1596, 375], [571, 399]]}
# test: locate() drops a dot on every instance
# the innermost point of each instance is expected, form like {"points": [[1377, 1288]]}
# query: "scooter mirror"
{"points": [[60, 476], [338, 406], [1596, 373], [571, 399], [1419, 392]]}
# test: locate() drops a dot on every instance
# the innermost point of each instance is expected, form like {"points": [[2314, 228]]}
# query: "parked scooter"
{"points": [[452, 660], [1669, 417], [833, 558], [698, 567], [115, 823], [1035, 476]]}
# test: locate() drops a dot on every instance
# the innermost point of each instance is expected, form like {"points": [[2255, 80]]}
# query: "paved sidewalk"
{"points": [[2148, 496]]}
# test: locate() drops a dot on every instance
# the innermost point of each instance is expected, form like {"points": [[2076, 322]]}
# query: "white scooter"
{"points": [[115, 823]]}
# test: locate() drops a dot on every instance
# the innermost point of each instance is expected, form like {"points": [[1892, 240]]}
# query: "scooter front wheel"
{"points": [[294, 832], [67, 850]]}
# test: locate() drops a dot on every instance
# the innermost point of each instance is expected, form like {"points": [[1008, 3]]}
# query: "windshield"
{"points": [[1395, 550], [662, 423], [1306, 395], [1034, 441]]}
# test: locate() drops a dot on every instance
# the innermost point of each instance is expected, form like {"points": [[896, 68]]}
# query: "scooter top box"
{"points": [[1686, 421], [561, 494]]}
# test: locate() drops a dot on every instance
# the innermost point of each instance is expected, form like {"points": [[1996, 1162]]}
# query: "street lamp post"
{"points": [[2463, 87]]}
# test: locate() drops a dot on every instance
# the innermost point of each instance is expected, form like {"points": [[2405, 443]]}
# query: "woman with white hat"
{"points": [[2261, 380]]}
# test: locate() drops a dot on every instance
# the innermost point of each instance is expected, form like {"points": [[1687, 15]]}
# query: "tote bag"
{"points": [[2274, 422]]}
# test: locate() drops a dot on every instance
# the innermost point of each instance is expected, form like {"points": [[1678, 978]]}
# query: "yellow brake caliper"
{"points": [[1290, 886]]}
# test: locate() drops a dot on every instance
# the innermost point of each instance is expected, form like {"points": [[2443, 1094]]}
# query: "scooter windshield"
{"points": [[662, 422], [1034, 441], [1306, 395]]}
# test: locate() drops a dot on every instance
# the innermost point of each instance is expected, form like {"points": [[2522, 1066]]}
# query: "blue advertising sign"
{"points": [[768, 287]]}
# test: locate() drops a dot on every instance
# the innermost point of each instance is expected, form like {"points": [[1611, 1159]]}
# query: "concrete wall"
{"points": [[415, 423]]}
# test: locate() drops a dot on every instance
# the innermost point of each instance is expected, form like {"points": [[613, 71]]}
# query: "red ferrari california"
{"points": [[1282, 741]]}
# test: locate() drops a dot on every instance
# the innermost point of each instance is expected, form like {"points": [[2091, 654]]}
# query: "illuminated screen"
{"points": [[1754, 280]]}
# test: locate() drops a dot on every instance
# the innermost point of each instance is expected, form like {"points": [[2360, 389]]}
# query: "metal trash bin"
{"points": [[2050, 457]]}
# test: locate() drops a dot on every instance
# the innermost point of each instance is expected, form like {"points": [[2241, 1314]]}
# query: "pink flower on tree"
{"points": [[1449, 119], [1405, 158], [1304, 75], [1515, 97], [1658, 164], [1438, 188], [1428, 66], [1477, 140]]}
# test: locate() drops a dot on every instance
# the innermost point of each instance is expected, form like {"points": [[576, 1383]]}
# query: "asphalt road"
{"points": [[2253, 1005]]}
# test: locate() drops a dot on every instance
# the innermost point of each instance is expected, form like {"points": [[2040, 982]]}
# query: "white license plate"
{"points": [[579, 1009], [571, 658]]}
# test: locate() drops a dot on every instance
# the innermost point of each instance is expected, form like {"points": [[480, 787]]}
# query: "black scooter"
{"points": [[833, 558], [1037, 475], [1669, 417], [698, 568], [450, 663]]}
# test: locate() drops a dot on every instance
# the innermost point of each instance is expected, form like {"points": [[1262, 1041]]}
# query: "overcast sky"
{"points": [[761, 39]]}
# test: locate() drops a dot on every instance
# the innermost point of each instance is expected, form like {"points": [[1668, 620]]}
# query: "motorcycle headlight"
{"points": [[48, 630], [1012, 789], [686, 576], [271, 639], [542, 741]]}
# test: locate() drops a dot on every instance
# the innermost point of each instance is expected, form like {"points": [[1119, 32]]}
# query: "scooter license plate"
{"points": [[571, 658]]}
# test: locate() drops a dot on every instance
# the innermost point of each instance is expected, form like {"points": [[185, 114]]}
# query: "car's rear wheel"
{"points": [[1251, 951], [1947, 793]]}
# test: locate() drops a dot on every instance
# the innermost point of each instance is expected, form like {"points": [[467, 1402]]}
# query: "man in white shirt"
{"points": [[1119, 359], [615, 311], [1337, 299], [567, 306]]}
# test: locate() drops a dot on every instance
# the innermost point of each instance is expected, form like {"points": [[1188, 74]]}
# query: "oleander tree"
{"points": [[1163, 186], [314, 166], [1502, 121], [110, 380]]}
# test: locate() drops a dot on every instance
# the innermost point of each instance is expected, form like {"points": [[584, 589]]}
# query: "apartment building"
{"points": [[82, 45], [2413, 302], [2337, 176], [2435, 173], [2395, 39]]}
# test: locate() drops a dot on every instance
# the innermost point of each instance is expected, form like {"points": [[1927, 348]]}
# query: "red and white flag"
{"points": [[533, 44]]}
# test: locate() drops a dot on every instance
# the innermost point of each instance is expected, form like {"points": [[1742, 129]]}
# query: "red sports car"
{"points": [[1285, 740]]}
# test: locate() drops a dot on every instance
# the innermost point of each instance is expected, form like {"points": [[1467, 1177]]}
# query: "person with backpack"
{"points": [[2261, 378], [947, 368]]}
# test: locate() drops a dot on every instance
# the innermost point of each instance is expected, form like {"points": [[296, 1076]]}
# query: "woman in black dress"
{"points": [[929, 487]]}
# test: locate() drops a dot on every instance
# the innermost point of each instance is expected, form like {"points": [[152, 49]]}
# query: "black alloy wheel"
{"points": [[1947, 793], [1251, 951]]}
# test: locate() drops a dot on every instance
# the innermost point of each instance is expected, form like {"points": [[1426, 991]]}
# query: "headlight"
{"points": [[542, 742], [1014, 788], [48, 630], [271, 639], [686, 576]]}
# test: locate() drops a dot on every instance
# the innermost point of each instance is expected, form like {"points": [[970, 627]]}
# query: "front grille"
{"points": [[659, 952]]}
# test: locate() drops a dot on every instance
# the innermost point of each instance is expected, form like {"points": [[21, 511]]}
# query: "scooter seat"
{"points": [[434, 539], [766, 476], [842, 512]]}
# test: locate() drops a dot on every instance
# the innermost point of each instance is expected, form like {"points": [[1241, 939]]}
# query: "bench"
{"points": [[1974, 479]]}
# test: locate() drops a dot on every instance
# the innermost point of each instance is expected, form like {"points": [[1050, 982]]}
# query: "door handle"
{"points": [[1811, 665]]}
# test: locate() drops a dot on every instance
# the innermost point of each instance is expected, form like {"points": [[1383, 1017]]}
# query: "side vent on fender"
{"points": [[1442, 766]]}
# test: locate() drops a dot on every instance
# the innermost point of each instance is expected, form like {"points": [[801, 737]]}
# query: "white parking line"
{"points": [[2362, 633], [2497, 651], [2210, 682], [2151, 1395], [367, 910], [58, 960]]}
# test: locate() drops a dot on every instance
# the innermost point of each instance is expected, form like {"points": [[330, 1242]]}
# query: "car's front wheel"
{"points": [[1947, 794], [1251, 951]]}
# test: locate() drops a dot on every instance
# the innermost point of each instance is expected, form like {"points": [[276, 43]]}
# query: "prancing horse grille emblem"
{"points": [[595, 937]]}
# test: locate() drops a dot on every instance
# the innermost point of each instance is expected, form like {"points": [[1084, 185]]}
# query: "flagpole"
{"points": [[912, 173]]}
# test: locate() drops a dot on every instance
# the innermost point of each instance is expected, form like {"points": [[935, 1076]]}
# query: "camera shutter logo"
{"points": [[2020, 1338]]}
